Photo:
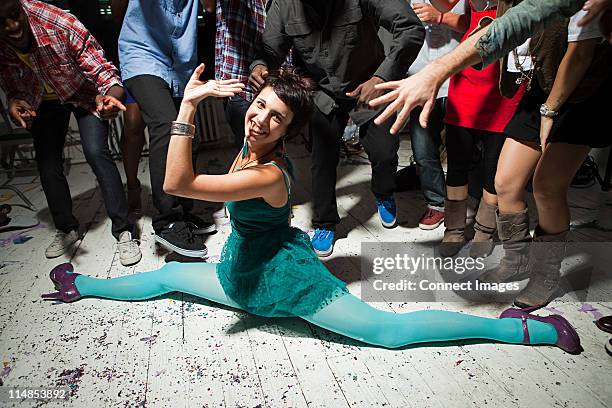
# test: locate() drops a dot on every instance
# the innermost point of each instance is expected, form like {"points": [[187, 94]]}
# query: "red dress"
{"points": [[474, 100]]}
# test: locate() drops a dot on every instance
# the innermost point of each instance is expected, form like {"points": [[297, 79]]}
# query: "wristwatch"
{"points": [[545, 111]]}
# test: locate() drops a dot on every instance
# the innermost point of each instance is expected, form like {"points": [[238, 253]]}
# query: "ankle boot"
{"points": [[484, 228], [454, 221], [513, 231], [545, 256]]}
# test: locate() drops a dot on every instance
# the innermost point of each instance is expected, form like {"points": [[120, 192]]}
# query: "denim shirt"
{"points": [[158, 37], [519, 23]]}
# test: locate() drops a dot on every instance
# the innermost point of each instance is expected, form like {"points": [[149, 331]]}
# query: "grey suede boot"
{"points": [[513, 231], [545, 257], [484, 228], [454, 221]]}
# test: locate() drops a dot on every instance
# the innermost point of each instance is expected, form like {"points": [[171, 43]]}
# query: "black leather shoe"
{"points": [[605, 324]]}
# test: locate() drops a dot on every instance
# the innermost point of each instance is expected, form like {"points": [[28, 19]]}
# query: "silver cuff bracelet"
{"points": [[182, 129]]}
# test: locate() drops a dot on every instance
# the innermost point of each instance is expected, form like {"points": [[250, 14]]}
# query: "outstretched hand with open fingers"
{"points": [[405, 95], [197, 90]]}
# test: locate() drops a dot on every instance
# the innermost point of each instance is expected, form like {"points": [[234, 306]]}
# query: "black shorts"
{"points": [[583, 123]]}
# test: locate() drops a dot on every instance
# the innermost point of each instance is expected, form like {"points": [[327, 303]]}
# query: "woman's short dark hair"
{"points": [[296, 91]]}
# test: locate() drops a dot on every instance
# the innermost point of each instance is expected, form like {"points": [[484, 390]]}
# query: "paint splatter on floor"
{"points": [[71, 378], [589, 308], [149, 339], [6, 370]]}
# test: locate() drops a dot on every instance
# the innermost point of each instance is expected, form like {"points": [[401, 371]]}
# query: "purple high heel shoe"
{"points": [[567, 337], [63, 278]]}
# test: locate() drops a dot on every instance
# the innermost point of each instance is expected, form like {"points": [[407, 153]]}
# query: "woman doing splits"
{"points": [[269, 268]]}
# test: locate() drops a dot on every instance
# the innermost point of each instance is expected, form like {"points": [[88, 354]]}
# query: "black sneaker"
{"points": [[199, 226], [179, 238]]}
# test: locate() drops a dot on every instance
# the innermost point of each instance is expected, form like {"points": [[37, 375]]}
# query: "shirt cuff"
{"points": [[104, 89], [257, 62], [486, 49], [386, 71]]}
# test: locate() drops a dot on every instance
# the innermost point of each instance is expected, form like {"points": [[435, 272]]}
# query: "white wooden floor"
{"points": [[179, 351]]}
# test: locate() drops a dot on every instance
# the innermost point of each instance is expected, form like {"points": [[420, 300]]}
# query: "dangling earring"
{"points": [[245, 148]]}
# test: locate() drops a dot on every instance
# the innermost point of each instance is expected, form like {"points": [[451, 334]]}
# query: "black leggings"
{"points": [[461, 147]]}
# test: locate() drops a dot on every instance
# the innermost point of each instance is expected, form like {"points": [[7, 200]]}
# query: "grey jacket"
{"points": [[342, 50], [519, 23]]}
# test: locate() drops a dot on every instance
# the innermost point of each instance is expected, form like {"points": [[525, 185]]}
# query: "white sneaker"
{"points": [[60, 244], [129, 251]]}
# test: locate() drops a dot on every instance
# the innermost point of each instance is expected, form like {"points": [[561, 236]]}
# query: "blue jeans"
{"points": [[49, 132], [426, 150]]}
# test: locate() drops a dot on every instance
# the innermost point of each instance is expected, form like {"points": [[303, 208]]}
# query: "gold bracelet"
{"points": [[182, 129]]}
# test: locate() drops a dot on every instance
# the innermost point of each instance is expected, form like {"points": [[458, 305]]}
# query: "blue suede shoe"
{"points": [[323, 242], [387, 211]]}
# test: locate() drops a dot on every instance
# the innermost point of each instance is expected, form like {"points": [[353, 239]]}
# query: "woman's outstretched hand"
{"points": [[197, 90], [405, 95]]}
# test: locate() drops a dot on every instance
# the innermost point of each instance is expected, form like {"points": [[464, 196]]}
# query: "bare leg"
{"points": [[132, 143], [517, 163], [489, 198], [457, 193], [553, 175]]}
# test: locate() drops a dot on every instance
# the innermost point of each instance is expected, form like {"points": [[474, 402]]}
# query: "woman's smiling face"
{"points": [[267, 119]]}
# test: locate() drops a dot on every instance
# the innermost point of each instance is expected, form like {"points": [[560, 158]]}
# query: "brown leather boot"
{"points": [[513, 231], [545, 257], [454, 221], [484, 228]]}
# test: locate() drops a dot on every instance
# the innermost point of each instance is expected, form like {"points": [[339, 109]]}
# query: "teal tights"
{"points": [[347, 315]]}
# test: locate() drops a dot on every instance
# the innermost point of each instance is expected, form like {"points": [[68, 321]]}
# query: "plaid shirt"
{"points": [[65, 56], [240, 24]]}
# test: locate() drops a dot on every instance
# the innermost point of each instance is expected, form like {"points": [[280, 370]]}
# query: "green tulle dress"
{"points": [[270, 268]]}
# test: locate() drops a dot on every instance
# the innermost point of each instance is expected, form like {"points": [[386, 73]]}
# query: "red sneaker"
{"points": [[431, 219]]}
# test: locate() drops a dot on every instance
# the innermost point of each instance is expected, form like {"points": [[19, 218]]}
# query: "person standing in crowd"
{"points": [[567, 70], [51, 66], [339, 47], [133, 134], [240, 25], [476, 112], [443, 32], [157, 51]]}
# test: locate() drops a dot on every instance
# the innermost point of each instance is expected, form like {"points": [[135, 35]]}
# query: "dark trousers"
{"points": [[235, 110], [49, 131], [461, 145], [159, 109], [426, 144], [325, 133]]}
